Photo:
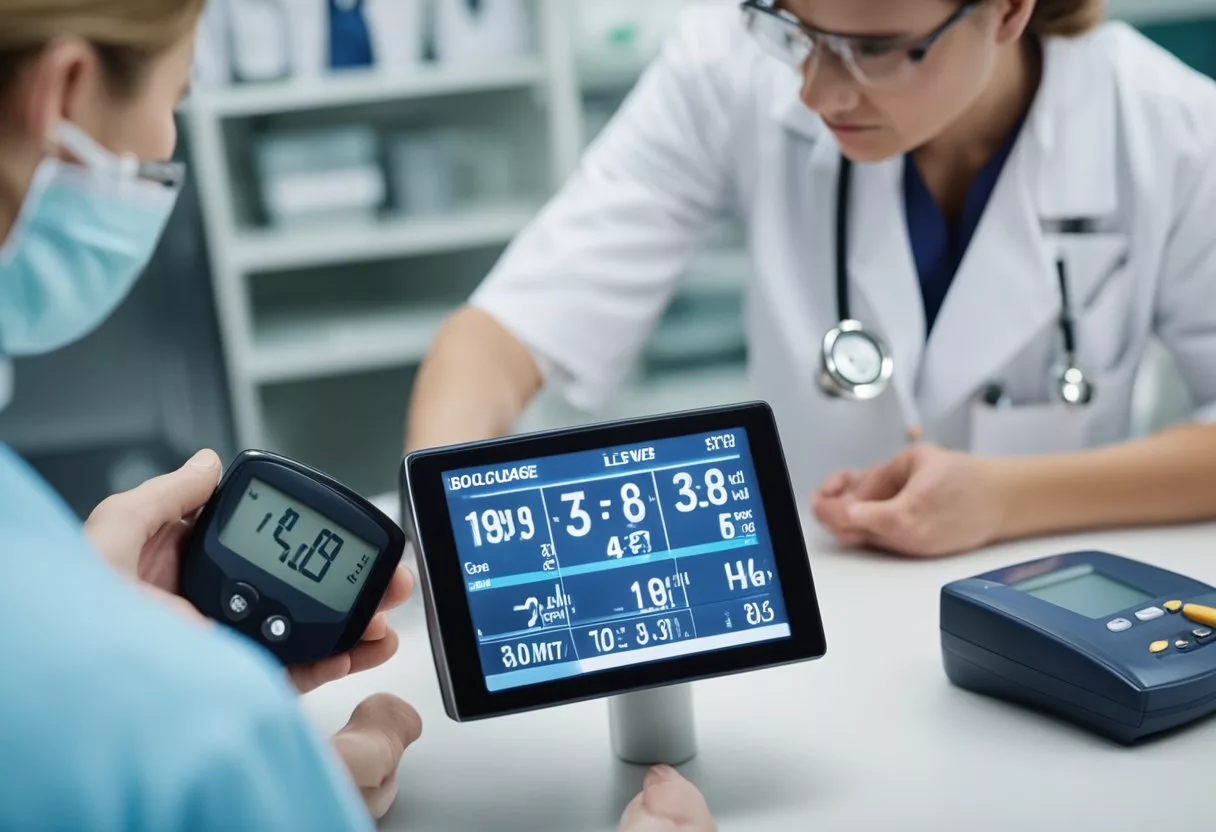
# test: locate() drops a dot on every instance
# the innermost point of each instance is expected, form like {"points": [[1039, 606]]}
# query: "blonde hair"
{"points": [[1060, 17], [125, 33]]}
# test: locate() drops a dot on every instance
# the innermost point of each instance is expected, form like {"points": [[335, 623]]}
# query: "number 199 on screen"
{"points": [[501, 526]]}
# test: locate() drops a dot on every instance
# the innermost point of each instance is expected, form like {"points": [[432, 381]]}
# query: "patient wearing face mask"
{"points": [[83, 236], [120, 708]]}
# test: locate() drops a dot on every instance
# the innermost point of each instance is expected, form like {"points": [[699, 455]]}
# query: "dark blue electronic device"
{"points": [[290, 557], [1115, 645], [589, 562]]}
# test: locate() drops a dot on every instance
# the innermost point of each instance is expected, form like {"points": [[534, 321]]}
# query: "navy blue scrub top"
{"points": [[937, 246]]}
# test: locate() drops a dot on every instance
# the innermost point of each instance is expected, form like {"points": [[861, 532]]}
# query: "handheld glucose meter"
{"points": [[1120, 647], [291, 558], [595, 561]]}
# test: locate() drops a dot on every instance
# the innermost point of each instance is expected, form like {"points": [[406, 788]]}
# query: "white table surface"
{"points": [[872, 737]]}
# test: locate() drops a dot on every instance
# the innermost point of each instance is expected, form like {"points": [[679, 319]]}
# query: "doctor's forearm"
{"points": [[1166, 478], [475, 383]]}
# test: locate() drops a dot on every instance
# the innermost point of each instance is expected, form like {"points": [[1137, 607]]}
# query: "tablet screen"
{"points": [[604, 559]]}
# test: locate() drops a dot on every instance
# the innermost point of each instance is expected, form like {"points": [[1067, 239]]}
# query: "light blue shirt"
{"points": [[118, 714]]}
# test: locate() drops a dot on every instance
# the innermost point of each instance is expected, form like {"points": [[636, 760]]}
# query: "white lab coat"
{"points": [[1121, 132]]}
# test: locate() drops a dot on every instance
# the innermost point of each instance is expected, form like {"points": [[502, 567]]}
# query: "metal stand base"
{"points": [[654, 727]]}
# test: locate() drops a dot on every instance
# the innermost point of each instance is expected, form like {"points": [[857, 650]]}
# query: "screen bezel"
{"points": [[456, 647]]}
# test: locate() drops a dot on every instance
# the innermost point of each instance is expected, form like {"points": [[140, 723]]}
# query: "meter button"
{"points": [[240, 601], [1182, 644], [276, 628], [1172, 606], [1118, 625], [1201, 633], [1159, 647], [1150, 613]]}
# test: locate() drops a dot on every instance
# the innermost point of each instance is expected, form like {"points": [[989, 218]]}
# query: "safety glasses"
{"points": [[873, 62]]}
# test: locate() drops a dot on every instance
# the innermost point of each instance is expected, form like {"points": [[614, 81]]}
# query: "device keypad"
{"points": [[1182, 642], [1185, 641]]}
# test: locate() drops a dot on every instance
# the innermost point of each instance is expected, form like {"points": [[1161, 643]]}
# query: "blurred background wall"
{"points": [[356, 168]]}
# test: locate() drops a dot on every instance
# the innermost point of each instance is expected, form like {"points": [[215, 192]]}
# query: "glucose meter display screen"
{"points": [[299, 546], [1085, 591], [591, 561]]}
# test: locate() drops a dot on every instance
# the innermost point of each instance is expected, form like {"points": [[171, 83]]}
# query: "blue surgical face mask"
{"points": [[85, 233]]}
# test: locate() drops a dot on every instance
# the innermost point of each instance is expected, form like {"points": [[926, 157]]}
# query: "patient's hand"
{"points": [[371, 745], [668, 803], [143, 533]]}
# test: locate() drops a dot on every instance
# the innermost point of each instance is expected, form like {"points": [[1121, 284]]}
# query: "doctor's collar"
{"points": [[1072, 124]]}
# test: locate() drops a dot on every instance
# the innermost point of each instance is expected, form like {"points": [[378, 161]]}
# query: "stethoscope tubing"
{"points": [[1071, 378]]}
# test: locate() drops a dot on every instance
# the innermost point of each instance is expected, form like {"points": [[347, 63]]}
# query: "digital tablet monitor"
{"points": [[598, 560]]}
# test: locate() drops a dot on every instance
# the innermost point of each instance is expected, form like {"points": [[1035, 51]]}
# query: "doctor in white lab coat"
{"points": [[994, 144]]}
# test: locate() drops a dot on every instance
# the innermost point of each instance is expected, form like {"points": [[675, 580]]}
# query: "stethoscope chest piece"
{"points": [[855, 364], [1075, 389]]}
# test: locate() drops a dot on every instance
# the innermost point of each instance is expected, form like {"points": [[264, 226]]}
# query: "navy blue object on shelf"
{"points": [[350, 41]]}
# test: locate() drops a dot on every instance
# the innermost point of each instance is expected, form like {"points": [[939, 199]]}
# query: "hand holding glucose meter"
{"points": [[1118, 646], [596, 561], [291, 558]]}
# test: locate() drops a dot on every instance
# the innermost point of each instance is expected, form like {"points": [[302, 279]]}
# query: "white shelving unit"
{"points": [[370, 87], [295, 347], [262, 251], [268, 346], [277, 350]]}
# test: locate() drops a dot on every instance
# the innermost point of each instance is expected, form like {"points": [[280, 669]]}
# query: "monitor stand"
{"points": [[653, 727]]}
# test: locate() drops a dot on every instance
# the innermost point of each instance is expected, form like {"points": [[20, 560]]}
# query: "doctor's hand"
{"points": [[927, 502], [667, 803], [371, 746], [142, 534]]}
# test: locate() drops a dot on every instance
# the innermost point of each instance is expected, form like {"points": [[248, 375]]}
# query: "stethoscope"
{"points": [[857, 365]]}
